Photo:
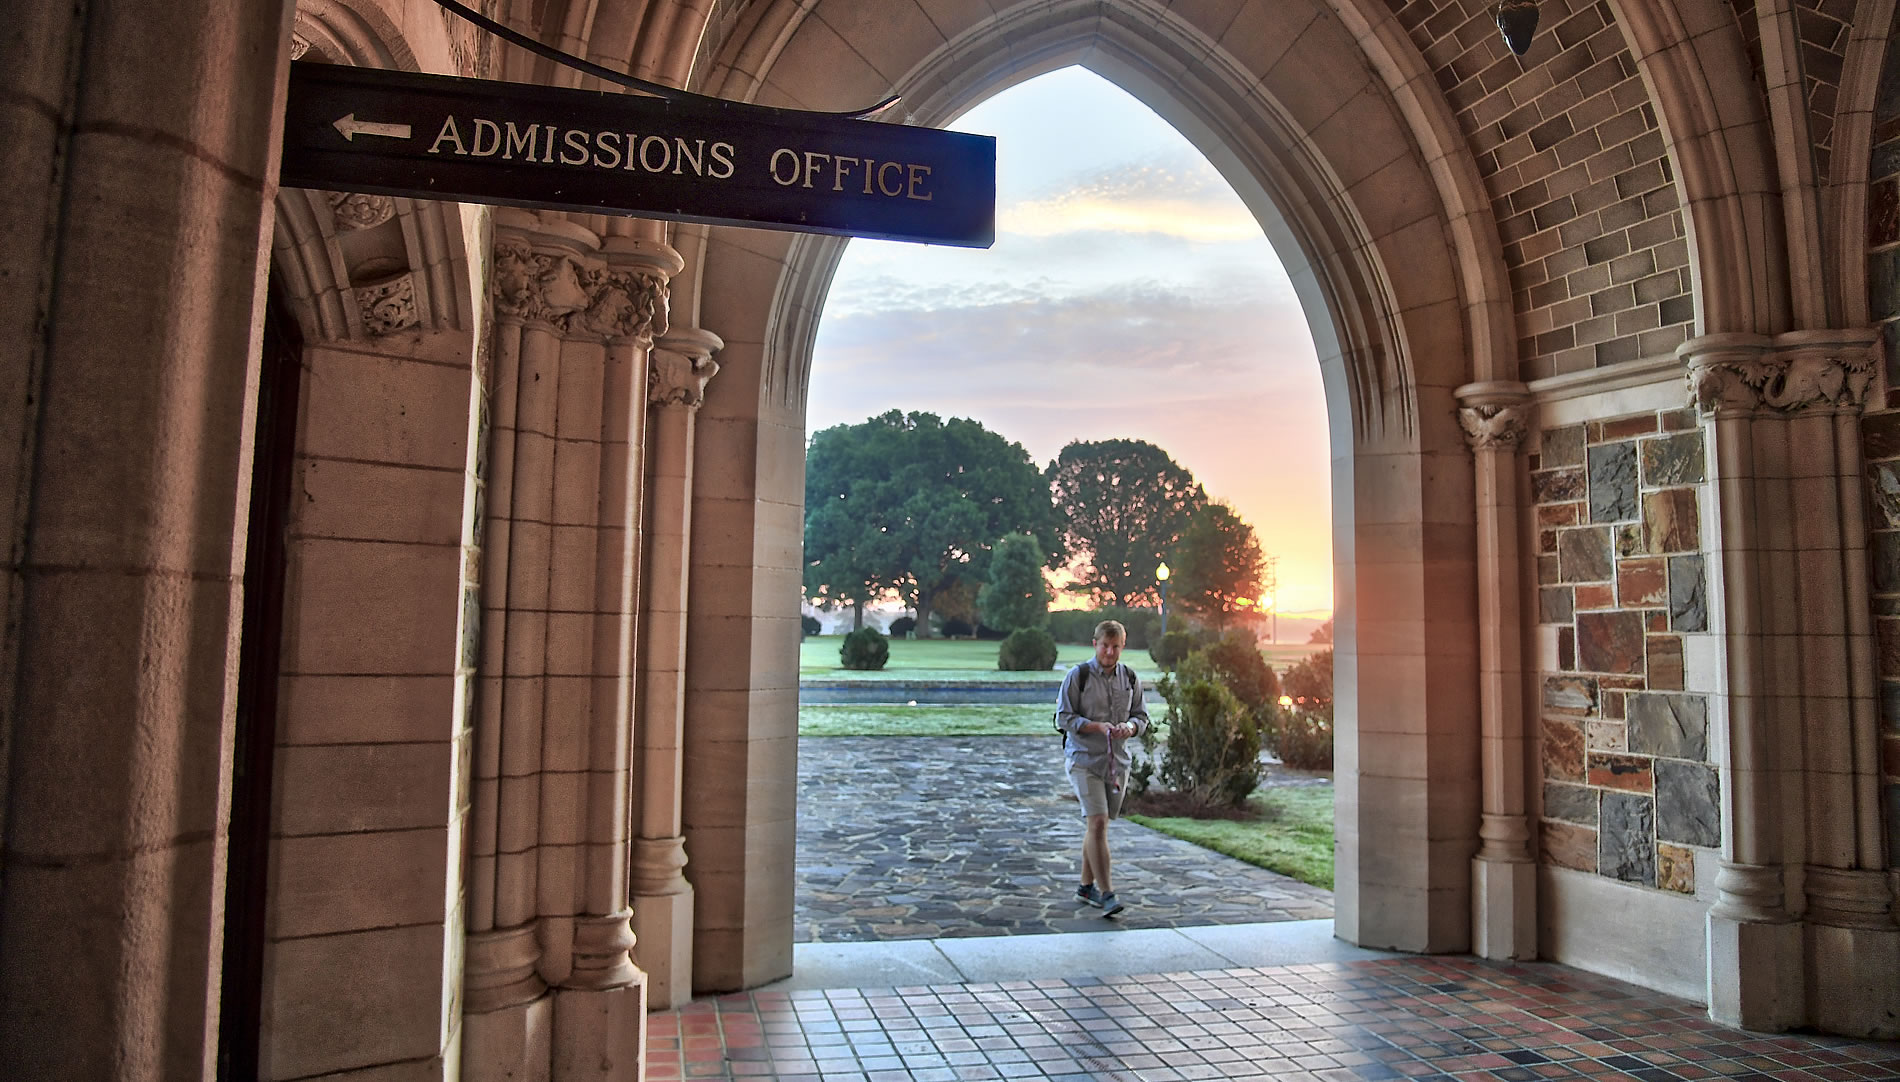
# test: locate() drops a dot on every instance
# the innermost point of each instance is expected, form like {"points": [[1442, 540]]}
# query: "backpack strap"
{"points": [[1081, 681]]}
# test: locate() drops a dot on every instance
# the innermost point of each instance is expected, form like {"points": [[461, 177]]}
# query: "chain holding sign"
{"points": [[692, 160]]}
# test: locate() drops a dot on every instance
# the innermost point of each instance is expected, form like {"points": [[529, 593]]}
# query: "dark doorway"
{"points": [[248, 868]]}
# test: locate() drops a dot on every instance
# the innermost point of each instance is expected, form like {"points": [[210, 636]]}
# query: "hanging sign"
{"points": [[725, 163]]}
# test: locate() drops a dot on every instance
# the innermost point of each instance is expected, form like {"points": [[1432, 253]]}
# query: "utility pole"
{"points": [[1271, 579]]}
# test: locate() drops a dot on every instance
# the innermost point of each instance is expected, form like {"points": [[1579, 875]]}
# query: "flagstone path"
{"points": [[929, 838]]}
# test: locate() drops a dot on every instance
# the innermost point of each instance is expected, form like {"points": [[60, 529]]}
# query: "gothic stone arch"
{"points": [[1285, 104]]}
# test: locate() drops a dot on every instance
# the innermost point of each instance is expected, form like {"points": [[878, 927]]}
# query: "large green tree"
{"points": [[1218, 565], [912, 503], [1122, 505], [1016, 595]]}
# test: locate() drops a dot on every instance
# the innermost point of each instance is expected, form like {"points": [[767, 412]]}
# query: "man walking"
{"points": [[1099, 707]]}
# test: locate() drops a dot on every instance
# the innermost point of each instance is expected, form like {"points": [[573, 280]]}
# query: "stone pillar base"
{"points": [[1755, 974], [1856, 980], [1504, 909], [602, 1033], [509, 1044], [663, 933]]}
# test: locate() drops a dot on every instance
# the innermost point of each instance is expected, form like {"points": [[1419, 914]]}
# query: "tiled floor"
{"points": [[1408, 1018]]}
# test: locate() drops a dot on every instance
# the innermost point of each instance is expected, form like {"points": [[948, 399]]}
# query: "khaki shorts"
{"points": [[1094, 794]]}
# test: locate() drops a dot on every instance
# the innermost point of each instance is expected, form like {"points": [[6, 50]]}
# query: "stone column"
{"points": [[1803, 903], [1496, 418], [552, 990], [601, 1004], [663, 899], [136, 230]]}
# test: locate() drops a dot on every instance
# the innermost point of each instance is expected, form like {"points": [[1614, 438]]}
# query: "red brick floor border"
{"points": [[1420, 1019]]}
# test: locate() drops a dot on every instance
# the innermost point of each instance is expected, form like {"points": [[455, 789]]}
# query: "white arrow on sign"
{"points": [[351, 127]]}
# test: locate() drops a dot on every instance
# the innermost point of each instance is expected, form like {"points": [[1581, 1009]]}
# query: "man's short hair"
{"points": [[1111, 629]]}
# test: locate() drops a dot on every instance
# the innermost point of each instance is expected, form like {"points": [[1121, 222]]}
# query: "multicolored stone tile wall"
{"points": [[1629, 789], [1881, 428]]}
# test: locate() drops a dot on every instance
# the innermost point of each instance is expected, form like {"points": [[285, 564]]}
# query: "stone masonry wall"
{"points": [[1629, 787], [1573, 160], [1880, 429]]}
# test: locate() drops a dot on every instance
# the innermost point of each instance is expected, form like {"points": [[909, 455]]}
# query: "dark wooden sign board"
{"points": [[726, 163]]}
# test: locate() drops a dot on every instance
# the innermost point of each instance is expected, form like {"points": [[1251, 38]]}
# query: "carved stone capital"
{"points": [[389, 306], [1790, 373], [536, 287], [680, 367], [574, 295], [623, 304], [603, 949], [500, 969], [1494, 415]]}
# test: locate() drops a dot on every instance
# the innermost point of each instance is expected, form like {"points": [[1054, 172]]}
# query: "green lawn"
{"points": [[1294, 835], [987, 719], [971, 659], [928, 659]]}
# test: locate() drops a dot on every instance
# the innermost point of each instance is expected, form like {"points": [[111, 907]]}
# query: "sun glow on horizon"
{"points": [[1130, 294]]}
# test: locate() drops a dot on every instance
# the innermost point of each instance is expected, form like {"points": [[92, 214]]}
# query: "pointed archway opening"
{"points": [[1339, 176], [1132, 316]]}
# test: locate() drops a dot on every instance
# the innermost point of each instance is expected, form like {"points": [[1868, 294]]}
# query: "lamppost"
{"points": [[1161, 577]]}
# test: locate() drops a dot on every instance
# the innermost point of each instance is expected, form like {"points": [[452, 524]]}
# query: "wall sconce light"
{"points": [[1517, 21]]}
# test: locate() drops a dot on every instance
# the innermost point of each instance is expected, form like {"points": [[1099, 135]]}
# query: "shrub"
{"points": [[809, 625], [1236, 658], [865, 648], [1311, 681], [955, 628], [1303, 738], [1078, 625], [1027, 649], [903, 625], [1302, 734], [1211, 752], [1173, 649], [1072, 625]]}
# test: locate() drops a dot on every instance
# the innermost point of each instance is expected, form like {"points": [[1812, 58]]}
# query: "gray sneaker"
{"points": [[1087, 893], [1110, 906]]}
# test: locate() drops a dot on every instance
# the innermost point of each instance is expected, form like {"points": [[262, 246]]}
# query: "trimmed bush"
{"points": [[1078, 625], [955, 628], [903, 625], [809, 625], [865, 648], [1173, 649], [1028, 649], [1236, 658], [1211, 753]]}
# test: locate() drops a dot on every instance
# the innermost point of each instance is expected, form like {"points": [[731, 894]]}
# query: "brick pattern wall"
{"points": [[1573, 162], [1630, 790], [1823, 27], [1880, 430]]}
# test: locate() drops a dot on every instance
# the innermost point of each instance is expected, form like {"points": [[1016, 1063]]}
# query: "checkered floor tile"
{"points": [[1414, 1018]]}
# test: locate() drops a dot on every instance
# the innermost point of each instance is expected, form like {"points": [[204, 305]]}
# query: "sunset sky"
{"points": [[1129, 294]]}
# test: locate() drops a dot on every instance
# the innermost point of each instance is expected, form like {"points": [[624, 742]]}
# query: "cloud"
{"points": [[1182, 197]]}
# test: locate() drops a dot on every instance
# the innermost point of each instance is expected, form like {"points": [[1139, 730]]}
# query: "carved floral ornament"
{"points": [[389, 306], [356, 210], [576, 297], [1791, 373]]}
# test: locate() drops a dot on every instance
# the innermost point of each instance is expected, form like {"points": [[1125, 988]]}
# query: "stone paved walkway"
{"points": [[921, 838]]}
